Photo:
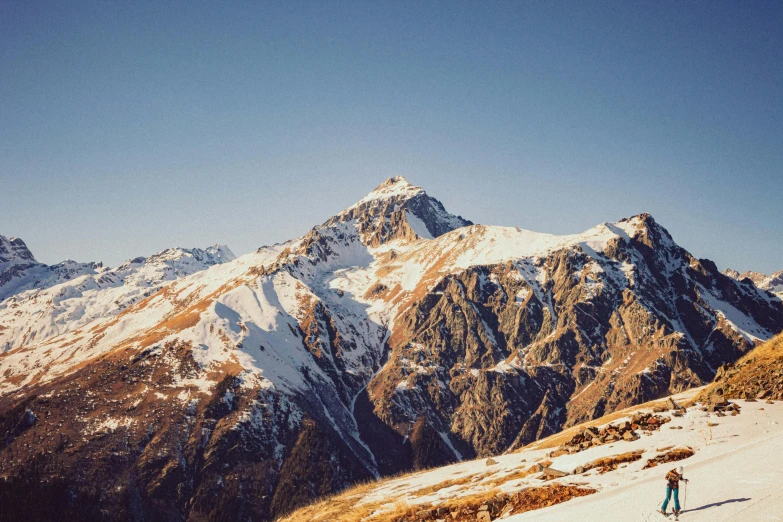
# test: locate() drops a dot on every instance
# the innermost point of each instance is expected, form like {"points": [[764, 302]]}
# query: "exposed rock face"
{"points": [[501, 355], [14, 250], [771, 283], [393, 336]]}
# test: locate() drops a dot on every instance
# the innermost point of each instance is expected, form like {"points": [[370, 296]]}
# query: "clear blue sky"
{"points": [[129, 127]]}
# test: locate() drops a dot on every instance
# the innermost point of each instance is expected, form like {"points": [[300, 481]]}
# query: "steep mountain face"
{"points": [[45, 301], [393, 336], [515, 347], [771, 283]]}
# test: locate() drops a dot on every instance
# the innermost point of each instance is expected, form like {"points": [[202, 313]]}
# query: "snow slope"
{"points": [[51, 300], [735, 473]]}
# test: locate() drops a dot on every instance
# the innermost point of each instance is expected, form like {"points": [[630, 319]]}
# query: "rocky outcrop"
{"points": [[19, 270], [397, 210]]}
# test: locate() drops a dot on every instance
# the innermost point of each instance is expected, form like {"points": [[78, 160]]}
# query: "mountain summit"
{"points": [[393, 336], [397, 209]]}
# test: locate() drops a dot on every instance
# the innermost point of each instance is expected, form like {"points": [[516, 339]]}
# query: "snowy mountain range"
{"points": [[771, 283], [192, 385], [39, 301]]}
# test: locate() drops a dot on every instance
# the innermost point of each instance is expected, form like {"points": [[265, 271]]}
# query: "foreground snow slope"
{"points": [[735, 473]]}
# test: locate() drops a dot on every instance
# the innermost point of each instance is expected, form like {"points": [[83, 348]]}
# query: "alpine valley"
{"points": [[193, 385]]}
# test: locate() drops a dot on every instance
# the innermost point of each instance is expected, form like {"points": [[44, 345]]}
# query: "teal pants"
{"points": [[669, 495]]}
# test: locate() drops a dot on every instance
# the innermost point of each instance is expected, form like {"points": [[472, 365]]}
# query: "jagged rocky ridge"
{"points": [[393, 336]]}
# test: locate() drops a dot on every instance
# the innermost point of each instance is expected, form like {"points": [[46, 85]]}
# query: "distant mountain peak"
{"points": [[14, 250], [771, 283]]}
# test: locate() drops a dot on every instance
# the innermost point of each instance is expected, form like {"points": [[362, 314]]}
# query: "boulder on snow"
{"points": [[550, 473]]}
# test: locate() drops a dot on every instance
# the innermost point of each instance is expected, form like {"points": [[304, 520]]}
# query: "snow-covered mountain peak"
{"points": [[399, 210], [396, 187], [399, 334], [183, 256], [19, 270], [14, 250]]}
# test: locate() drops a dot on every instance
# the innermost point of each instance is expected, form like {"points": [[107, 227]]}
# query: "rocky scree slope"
{"points": [[393, 336]]}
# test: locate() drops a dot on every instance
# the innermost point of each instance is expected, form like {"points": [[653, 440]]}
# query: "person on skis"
{"points": [[673, 479]]}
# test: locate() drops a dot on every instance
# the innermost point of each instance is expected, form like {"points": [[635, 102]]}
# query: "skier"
{"points": [[673, 479]]}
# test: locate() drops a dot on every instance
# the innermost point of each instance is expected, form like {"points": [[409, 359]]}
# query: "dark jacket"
{"points": [[673, 479]]}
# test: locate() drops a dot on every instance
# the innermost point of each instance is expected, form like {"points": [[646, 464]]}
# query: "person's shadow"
{"points": [[716, 504]]}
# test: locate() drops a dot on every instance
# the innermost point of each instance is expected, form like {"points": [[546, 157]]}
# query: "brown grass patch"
{"points": [[670, 456], [465, 509], [610, 463], [443, 485], [14, 380]]}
